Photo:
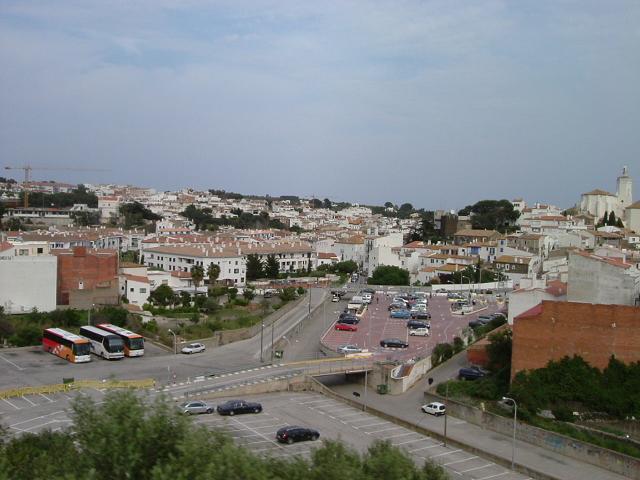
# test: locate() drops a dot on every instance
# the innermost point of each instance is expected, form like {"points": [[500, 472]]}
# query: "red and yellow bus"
{"points": [[133, 343], [69, 346]]}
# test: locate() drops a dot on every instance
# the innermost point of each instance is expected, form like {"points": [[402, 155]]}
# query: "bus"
{"points": [[69, 346], [133, 343], [105, 344]]}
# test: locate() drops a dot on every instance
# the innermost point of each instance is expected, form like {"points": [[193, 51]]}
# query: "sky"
{"points": [[436, 103]]}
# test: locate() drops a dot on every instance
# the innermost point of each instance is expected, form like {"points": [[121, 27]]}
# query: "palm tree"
{"points": [[213, 272], [197, 274]]}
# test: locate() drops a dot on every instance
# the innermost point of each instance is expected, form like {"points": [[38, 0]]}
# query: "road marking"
{"points": [[371, 424], [402, 434], [29, 401], [17, 408], [446, 453], [494, 476], [409, 441], [477, 468], [36, 418], [383, 430], [459, 461], [45, 397], [11, 363]]}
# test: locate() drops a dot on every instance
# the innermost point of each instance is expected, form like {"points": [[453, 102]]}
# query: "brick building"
{"points": [[553, 330], [87, 277]]}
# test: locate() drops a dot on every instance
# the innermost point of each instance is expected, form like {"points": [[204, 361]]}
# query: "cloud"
{"points": [[369, 101]]}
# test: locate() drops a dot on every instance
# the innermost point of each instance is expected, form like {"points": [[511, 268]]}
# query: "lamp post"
{"points": [[272, 322], [462, 277], [261, 342], [515, 417], [89, 313], [446, 407], [175, 342]]}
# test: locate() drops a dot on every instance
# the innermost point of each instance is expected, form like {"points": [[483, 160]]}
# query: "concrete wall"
{"points": [[595, 281], [602, 457], [27, 283]]}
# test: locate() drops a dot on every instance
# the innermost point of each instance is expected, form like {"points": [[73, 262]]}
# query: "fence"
{"points": [[65, 387]]}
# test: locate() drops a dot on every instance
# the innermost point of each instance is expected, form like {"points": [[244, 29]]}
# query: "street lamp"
{"points": [[462, 277], [261, 342], [515, 417], [175, 342]]}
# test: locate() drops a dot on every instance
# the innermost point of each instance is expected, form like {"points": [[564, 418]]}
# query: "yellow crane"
{"points": [[27, 176]]}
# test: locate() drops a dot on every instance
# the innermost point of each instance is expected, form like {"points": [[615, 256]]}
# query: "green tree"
{"points": [[492, 215], [249, 293], [135, 214], [213, 272], [197, 274], [272, 267], [405, 210], [315, 203], [232, 293], [162, 296], [185, 298], [13, 224], [612, 219], [326, 203], [287, 294], [348, 266], [389, 275], [254, 267]]}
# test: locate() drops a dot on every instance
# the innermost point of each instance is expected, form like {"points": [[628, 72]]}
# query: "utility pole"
{"points": [[272, 322], [446, 407], [261, 342]]}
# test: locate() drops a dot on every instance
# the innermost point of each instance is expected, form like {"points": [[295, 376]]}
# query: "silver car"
{"points": [[193, 348], [196, 407], [346, 349]]}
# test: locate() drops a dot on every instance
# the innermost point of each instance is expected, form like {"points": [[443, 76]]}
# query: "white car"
{"points": [[193, 348], [335, 298], [346, 349], [419, 332], [434, 408]]}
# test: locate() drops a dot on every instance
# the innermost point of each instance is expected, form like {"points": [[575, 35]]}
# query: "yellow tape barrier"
{"points": [[65, 387]]}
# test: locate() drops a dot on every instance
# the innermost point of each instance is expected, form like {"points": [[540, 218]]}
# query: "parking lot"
{"points": [[376, 325], [338, 421]]}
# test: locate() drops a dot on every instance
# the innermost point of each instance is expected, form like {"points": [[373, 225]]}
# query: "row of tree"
{"points": [[257, 268], [610, 219], [203, 219], [125, 437]]}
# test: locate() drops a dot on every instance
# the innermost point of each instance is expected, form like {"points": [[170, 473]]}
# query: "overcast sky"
{"points": [[437, 103]]}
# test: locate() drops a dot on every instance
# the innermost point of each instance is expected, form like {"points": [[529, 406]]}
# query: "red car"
{"points": [[347, 327]]}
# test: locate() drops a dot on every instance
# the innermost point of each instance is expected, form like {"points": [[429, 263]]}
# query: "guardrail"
{"points": [[80, 384]]}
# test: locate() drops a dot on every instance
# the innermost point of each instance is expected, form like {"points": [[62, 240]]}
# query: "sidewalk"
{"points": [[407, 407]]}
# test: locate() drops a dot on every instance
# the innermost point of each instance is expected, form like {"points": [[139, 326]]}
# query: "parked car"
{"points": [[397, 306], [421, 315], [419, 332], [347, 315], [478, 323], [400, 314], [193, 348], [233, 407], [434, 408], [196, 407], [347, 327], [393, 343], [346, 349], [335, 298], [471, 373], [417, 324], [347, 321], [296, 434]]}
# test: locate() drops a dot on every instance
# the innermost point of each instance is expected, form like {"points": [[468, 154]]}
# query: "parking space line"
{"points": [[17, 408], [402, 434], [256, 432], [29, 401], [408, 441], [459, 461], [446, 453], [46, 398], [383, 430], [11, 363], [371, 425], [354, 414], [478, 468], [496, 475]]}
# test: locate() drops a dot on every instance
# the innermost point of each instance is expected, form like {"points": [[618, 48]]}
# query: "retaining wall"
{"points": [[585, 452]]}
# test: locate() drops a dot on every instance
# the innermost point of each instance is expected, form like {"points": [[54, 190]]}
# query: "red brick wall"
{"points": [[558, 329], [91, 267]]}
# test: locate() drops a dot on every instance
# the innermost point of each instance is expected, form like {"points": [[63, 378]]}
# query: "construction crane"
{"points": [[27, 176]]}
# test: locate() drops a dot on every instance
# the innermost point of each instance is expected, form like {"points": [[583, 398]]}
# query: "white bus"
{"points": [[105, 344], [133, 343]]}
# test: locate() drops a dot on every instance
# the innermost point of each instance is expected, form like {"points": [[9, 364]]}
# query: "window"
{"points": [[143, 290], [40, 250], [131, 289]]}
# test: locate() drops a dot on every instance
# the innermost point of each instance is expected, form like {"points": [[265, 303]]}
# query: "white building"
{"points": [[598, 202], [108, 207], [27, 281], [531, 293], [632, 217]]}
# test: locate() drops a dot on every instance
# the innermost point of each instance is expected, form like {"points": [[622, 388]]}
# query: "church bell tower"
{"points": [[625, 189]]}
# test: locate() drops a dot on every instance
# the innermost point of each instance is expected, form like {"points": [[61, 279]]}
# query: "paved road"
{"points": [[32, 366]]}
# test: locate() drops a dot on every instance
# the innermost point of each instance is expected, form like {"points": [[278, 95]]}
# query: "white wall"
{"points": [[27, 283]]}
